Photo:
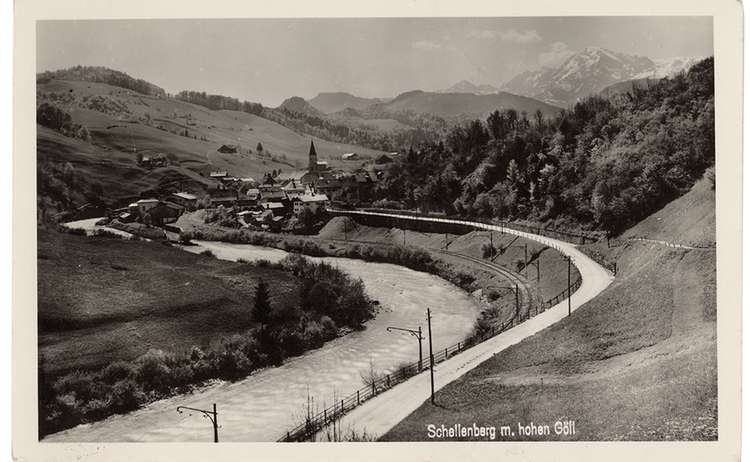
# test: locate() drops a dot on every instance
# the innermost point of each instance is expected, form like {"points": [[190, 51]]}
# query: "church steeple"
{"points": [[313, 162]]}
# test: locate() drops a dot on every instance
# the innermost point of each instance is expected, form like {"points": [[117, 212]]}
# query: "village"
{"points": [[293, 201]]}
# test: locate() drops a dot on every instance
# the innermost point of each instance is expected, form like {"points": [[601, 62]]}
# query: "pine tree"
{"points": [[259, 148], [262, 307]]}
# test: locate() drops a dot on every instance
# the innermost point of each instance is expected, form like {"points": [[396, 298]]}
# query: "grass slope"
{"points": [[636, 363], [116, 118], [103, 299]]}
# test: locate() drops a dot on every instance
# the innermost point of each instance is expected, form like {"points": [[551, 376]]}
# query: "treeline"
{"points": [[604, 164], [101, 74], [219, 102], [330, 300]]}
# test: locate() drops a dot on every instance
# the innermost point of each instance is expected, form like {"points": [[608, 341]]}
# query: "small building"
{"points": [[350, 156], [312, 202], [165, 212], [229, 149], [225, 201], [293, 188], [253, 194], [144, 205], [187, 200], [276, 208], [218, 174]]}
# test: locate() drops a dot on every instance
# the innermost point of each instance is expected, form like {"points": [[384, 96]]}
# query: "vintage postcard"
{"points": [[313, 231]]}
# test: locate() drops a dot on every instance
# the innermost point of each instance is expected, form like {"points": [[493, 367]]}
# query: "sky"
{"points": [[269, 60]]}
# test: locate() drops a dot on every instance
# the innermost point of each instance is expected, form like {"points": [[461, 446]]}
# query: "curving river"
{"points": [[263, 406]]}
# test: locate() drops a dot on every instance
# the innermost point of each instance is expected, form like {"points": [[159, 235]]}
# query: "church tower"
{"points": [[313, 162]]}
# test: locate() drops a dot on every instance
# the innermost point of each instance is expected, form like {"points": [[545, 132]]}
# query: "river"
{"points": [[266, 404]]}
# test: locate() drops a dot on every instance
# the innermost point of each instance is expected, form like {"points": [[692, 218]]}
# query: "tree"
{"points": [[262, 306], [259, 148]]}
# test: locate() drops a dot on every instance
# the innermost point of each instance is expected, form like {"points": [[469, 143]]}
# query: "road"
{"points": [[381, 413]]}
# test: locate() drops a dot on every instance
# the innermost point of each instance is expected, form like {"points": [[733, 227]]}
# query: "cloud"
{"points": [[426, 45], [509, 35], [557, 53]]}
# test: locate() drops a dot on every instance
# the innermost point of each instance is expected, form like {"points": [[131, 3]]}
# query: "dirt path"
{"points": [[378, 415]]}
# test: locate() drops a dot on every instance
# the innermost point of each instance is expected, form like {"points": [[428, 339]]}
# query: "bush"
{"points": [[153, 373], [118, 371], [125, 396], [208, 253]]}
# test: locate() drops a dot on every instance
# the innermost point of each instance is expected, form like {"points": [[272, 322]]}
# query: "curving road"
{"points": [[379, 414]]}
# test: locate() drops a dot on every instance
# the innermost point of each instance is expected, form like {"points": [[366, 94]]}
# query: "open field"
{"points": [[103, 299], [638, 362]]}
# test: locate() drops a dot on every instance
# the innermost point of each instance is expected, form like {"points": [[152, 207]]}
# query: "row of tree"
{"points": [[606, 163]]}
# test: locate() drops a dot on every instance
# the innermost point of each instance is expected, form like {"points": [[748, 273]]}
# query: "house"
{"points": [[312, 202], [144, 205], [272, 193], [165, 212], [350, 156], [276, 208], [127, 217], [293, 189], [229, 149], [218, 175], [187, 200], [224, 201], [253, 193]]}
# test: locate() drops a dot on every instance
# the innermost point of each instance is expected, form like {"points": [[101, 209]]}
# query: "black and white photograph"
{"points": [[495, 229]]}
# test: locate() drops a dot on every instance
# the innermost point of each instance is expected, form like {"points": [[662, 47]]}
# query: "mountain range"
{"points": [[590, 71]]}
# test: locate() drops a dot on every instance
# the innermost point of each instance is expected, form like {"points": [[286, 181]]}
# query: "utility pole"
{"points": [[569, 286], [404, 236], [213, 416], [518, 306], [492, 247], [526, 260], [432, 358], [446, 241], [537, 269], [346, 237]]}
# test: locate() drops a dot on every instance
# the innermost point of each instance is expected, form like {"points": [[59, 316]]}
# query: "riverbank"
{"points": [[264, 405], [123, 323]]}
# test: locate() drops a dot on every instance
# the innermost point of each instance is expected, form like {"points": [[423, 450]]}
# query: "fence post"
{"points": [[357, 397], [388, 380], [325, 415]]}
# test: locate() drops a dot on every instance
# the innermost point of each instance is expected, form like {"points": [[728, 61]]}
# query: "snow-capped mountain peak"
{"points": [[589, 71]]}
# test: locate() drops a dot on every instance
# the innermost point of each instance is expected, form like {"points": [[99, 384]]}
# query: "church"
{"points": [[318, 177]]}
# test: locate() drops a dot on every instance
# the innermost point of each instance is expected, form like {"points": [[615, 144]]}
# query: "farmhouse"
{"points": [[350, 156], [184, 199], [144, 205], [228, 149]]}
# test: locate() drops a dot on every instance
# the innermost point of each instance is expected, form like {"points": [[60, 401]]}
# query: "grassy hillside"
{"points": [[124, 123], [103, 299], [638, 362]]}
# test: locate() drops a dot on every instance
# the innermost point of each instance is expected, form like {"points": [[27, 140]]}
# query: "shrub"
{"points": [[153, 373], [125, 396], [77, 231], [118, 371], [208, 253]]}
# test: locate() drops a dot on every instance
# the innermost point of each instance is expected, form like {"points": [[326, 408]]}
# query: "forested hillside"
{"points": [[606, 163]]}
